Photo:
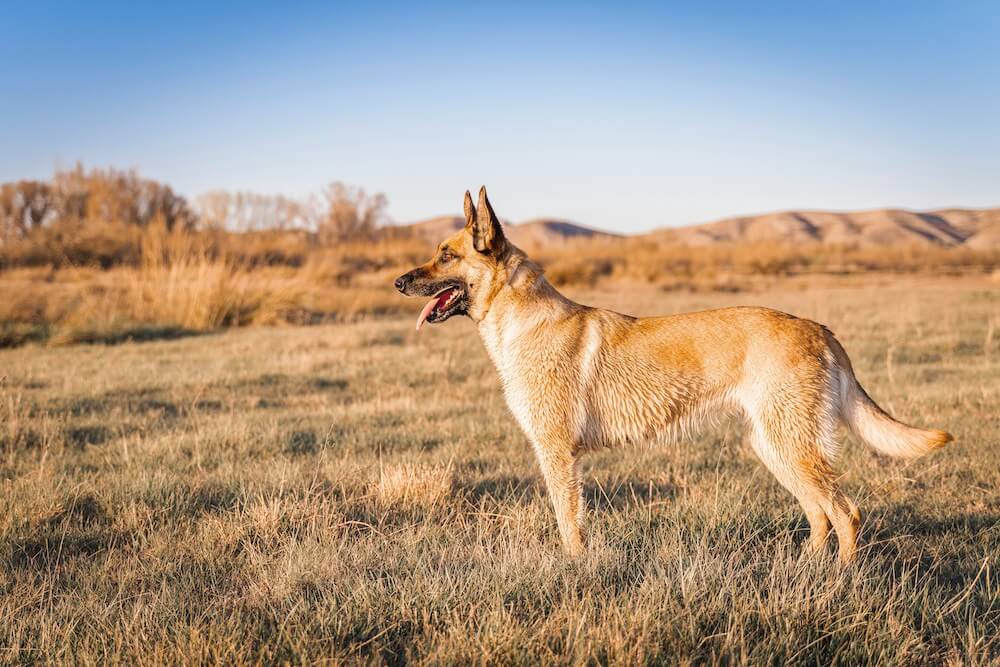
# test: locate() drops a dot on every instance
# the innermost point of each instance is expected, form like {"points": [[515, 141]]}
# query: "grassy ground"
{"points": [[358, 492]]}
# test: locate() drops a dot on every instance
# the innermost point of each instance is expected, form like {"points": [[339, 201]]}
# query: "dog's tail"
{"points": [[873, 425]]}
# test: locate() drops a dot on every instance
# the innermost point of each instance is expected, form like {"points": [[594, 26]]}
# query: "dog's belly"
{"points": [[557, 408], [619, 418]]}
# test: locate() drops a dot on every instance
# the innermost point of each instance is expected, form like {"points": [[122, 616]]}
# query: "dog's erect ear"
{"points": [[470, 213], [487, 235]]}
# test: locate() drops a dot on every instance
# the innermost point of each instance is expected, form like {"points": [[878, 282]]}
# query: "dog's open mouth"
{"points": [[449, 301]]}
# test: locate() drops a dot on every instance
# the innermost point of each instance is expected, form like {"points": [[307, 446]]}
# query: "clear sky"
{"points": [[624, 118]]}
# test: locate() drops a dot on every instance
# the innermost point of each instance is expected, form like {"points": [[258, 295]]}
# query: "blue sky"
{"points": [[621, 117]]}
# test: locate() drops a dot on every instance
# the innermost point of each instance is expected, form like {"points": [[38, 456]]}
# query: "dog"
{"points": [[578, 378]]}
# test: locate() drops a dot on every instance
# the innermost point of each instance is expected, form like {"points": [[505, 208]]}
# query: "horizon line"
{"points": [[602, 230]]}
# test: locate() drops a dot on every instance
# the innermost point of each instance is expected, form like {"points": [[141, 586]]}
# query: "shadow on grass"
{"points": [[302, 443], [16, 334], [44, 552], [972, 528], [272, 390], [498, 488], [81, 436], [137, 334], [79, 527], [951, 547], [600, 495], [630, 492], [141, 400]]}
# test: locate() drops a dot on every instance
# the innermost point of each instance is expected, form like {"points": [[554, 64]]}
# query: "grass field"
{"points": [[359, 492]]}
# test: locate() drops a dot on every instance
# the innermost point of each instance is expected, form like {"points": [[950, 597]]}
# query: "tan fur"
{"points": [[578, 378]]}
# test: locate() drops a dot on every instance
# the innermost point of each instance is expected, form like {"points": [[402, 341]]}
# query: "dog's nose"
{"points": [[401, 283]]}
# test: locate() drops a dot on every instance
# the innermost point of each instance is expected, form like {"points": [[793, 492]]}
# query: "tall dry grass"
{"points": [[177, 287], [727, 266], [178, 283], [183, 284], [414, 485], [184, 281]]}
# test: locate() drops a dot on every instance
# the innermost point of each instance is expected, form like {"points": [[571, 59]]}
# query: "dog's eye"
{"points": [[445, 257]]}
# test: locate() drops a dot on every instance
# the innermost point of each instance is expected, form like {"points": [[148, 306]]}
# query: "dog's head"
{"points": [[465, 272]]}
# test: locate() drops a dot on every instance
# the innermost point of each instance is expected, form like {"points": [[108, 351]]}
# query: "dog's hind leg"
{"points": [[792, 446], [561, 469]]}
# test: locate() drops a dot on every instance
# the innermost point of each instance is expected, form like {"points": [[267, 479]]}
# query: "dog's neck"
{"points": [[522, 302]]}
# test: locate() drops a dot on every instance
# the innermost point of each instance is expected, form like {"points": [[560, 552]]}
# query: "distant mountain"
{"points": [[978, 228], [435, 230], [973, 228], [545, 231], [540, 231]]}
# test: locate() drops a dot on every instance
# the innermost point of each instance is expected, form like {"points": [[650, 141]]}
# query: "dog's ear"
{"points": [[487, 235], [470, 213]]}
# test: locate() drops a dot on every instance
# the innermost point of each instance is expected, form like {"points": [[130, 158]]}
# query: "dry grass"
{"points": [[359, 493], [411, 485], [657, 260], [152, 301], [182, 287], [171, 284]]}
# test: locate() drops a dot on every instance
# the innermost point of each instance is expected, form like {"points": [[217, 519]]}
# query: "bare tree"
{"points": [[251, 212], [24, 206], [213, 209], [349, 213], [114, 196]]}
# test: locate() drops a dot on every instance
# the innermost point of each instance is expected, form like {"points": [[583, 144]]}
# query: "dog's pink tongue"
{"points": [[439, 300], [425, 312]]}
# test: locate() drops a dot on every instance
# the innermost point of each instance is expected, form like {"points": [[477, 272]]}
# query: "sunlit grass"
{"points": [[358, 492]]}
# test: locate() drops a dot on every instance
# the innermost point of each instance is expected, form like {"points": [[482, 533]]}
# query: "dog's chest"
{"points": [[529, 384]]}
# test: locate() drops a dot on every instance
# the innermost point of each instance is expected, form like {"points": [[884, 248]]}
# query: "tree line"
{"points": [[80, 214]]}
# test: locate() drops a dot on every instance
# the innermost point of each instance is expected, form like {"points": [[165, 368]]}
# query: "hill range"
{"points": [[534, 232], [977, 229]]}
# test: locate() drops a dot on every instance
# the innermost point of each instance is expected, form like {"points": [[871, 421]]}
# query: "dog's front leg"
{"points": [[561, 470]]}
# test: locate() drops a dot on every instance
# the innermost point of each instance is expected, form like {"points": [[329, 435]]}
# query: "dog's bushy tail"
{"points": [[873, 425], [883, 433]]}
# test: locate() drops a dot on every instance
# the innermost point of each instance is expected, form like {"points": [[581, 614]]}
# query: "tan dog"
{"points": [[577, 378]]}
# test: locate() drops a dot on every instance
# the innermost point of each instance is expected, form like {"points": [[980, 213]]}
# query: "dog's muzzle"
{"points": [[404, 281]]}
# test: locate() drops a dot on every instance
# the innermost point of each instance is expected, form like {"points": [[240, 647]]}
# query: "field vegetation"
{"points": [[188, 478], [357, 492], [106, 256]]}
